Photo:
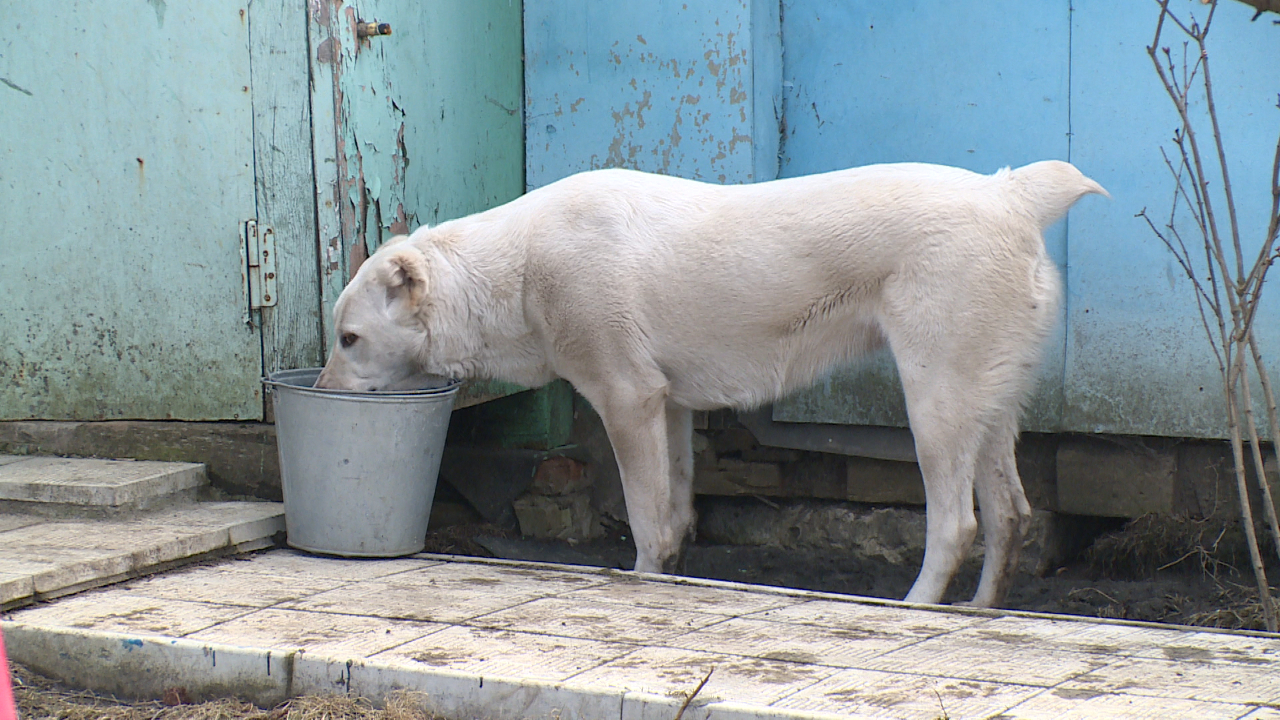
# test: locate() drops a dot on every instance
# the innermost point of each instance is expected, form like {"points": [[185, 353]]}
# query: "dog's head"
{"points": [[381, 338]]}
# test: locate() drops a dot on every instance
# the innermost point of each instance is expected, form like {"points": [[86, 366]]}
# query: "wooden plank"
{"points": [[285, 182], [325, 38]]}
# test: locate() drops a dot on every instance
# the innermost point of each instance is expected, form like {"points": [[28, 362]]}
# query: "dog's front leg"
{"points": [[637, 425]]}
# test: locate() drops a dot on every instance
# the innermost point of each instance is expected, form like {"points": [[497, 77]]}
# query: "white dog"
{"points": [[655, 296]]}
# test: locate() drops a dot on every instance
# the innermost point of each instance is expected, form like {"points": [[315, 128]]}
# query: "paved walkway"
{"points": [[499, 640]]}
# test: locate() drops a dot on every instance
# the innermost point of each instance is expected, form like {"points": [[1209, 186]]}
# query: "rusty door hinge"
{"points": [[258, 250]]}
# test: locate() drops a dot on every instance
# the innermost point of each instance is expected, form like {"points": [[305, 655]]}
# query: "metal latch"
{"points": [[258, 250]]}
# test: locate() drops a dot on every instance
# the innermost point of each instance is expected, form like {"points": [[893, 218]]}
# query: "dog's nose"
{"points": [[322, 381]]}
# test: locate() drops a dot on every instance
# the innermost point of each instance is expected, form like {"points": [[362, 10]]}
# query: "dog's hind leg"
{"points": [[1006, 514], [947, 444]]}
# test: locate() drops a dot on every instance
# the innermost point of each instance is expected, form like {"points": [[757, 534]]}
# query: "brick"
{"points": [[561, 517], [560, 476]]}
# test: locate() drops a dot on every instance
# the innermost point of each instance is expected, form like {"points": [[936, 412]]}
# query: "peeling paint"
{"points": [[425, 128], [663, 101]]}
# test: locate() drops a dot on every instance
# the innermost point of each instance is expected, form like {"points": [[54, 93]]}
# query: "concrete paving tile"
{"points": [[113, 611], [16, 586], [671, 671], [1062, 704], [217, 585], [456, 695], [164, 545], [84, 567], [503, 578], [391, 598], [1106, 640], [24, 565], [295, 563], [868, 693], [995, 661], [97, 538], [337, 635], [1217, 647], [502, 653], [1263, 713], [1228, 682], [1119, 640], [872, 618], [791, 642], [447, 592], [129, 666], [13, 521], [108, 483], [630, 590], [597, 620], [51, 539], [241, 521]]}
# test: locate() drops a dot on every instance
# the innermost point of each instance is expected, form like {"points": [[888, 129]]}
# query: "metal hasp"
{"points": [[372, 29], [259, 249]]}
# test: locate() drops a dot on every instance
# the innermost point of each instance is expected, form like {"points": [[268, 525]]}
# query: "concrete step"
{"points": [[71, 487], [43, 558]]}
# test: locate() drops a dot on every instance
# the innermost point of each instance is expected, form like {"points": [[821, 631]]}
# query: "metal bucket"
{"points": [[358, 470]]}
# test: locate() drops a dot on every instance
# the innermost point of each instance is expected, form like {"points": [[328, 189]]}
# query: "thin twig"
{"points": [[694, 694], [1273, 422], [1246, 508], [1242, 290]]}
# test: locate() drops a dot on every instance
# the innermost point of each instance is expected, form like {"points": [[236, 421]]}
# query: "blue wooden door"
{"points": [[923, 81], [1138, 359], [126, 166], [982, 85]]}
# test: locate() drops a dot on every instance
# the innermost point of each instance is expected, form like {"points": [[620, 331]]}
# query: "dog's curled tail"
{"points": [[1049, 188]]}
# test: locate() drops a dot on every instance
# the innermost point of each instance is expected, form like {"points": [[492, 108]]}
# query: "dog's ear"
{"points": [[404, 274]]}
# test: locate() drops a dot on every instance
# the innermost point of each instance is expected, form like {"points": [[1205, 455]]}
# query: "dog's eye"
{"points": [[348, 339]]}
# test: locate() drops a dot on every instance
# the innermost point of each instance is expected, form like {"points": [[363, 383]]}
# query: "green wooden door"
{"points": [[126, 167], [414, 127]]}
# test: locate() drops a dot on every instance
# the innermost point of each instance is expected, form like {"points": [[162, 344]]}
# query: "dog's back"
{"points": [[743, 293]]}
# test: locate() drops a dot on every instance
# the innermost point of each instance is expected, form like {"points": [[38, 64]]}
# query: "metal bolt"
{"points": [[370, 29]]}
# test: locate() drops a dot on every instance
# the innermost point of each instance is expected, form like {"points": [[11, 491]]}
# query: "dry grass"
{"points": [[41, 699], [1154, 543]]}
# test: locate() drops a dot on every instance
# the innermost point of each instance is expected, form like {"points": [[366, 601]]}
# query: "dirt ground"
{"points": [[1155, 569]]}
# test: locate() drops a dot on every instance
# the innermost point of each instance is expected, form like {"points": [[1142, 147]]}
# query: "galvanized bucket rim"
{"points": [[276, 379]]}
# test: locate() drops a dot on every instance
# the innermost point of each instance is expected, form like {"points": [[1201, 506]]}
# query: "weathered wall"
{"points": [[1013, 82], [681, 87], [126, 161], [977, 85]]}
